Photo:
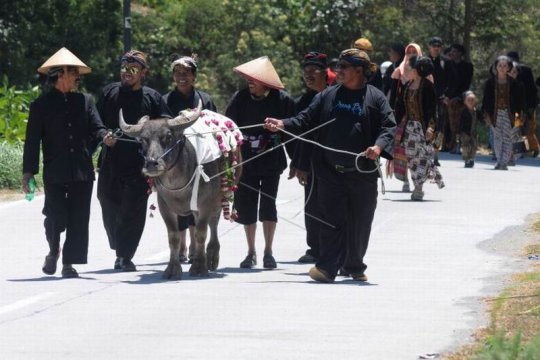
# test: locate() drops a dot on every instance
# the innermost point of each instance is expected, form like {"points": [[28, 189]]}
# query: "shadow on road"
{"points": [[156, 276], [413, 202], [50, 278], [230, 270]]}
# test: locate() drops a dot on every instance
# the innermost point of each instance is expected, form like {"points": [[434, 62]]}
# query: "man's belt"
{"points": [[343, 169]]}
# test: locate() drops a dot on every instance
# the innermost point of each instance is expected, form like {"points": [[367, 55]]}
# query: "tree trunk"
{"points": [[467, 28]]}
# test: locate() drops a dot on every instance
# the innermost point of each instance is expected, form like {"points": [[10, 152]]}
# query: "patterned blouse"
{"points": [[502, 99]]}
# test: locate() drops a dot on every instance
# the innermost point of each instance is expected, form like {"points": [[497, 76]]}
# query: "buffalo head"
{"points": [[160, 138]]}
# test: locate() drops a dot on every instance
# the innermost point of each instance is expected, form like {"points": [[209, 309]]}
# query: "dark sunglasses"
{"points": [[131, 69]]}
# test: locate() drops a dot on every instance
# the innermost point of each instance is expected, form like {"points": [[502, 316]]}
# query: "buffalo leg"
{"points": [[199, 261], [212, 251], [174, 268]]}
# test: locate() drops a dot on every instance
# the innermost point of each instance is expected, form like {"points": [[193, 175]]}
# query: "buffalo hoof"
{"points": [[198, 269], [173, 271], [212, 261]]}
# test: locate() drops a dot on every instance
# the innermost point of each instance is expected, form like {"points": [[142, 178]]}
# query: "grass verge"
{"points": [[514, 329]]}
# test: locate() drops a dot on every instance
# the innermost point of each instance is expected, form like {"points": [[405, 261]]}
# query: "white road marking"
{"points": [[24, 302]]}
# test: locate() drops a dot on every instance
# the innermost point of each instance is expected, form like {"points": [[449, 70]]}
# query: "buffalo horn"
{"points": [[182, 119], [131, 130]]}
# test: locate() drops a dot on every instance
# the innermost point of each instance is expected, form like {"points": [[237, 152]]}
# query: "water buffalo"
{"points": [[171, 160]]}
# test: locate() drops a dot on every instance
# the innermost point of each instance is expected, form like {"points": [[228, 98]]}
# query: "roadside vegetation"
{"points": [[514, 329], [14, 107]]}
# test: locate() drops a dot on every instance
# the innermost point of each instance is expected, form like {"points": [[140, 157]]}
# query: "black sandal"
{"points": [[49, 266], [68, 272], [269, 262]]}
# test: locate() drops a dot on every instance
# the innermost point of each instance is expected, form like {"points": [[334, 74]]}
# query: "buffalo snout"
{"points": [[153, 167]]}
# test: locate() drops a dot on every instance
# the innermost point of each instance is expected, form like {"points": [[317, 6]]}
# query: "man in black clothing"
{"points": [[65, 123], [440, 83], [122, 188], [315, 78], [255, 198], [459, 75], [395, 54], [525, 75], [185, 96], [364, 123]]}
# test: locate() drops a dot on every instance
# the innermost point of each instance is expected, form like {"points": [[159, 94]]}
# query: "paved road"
{"points": [[427, 276]]}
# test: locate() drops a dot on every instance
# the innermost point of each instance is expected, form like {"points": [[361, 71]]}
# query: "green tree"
{"points": [[31, 31]]}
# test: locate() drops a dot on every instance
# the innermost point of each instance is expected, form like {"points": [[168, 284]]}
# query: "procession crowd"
{"points": [[352, 112]]}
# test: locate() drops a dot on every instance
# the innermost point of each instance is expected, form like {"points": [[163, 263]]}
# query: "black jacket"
{"points": [[459, 78], [439, 75], [177, 102], [65, 125], [301, 159], [378, 125], [428, 101], [125, 158], [376, 79], [244, 110], [516, 94]]}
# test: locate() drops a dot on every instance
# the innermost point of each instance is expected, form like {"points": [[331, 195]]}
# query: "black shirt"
{"points": [[177, 102], [346, 132], [65, 125], [126, 158], [439, 75], [245, 110]]}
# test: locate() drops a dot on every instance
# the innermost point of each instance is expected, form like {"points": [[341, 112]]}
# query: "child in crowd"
{"points": [[467, 129]]}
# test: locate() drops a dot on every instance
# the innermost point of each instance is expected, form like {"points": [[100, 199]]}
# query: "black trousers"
{"points": [[67, 208], [347, 203], [246, 198], [123, 205], [312, 217]]}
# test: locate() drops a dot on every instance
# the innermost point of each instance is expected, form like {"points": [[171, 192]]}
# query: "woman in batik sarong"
{"points": [[417, 108], [400, 76], [467, 134], [503, 100]]}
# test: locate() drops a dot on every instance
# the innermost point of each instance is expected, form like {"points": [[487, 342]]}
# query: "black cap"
{"points": [[315, 58], [435, 41]]}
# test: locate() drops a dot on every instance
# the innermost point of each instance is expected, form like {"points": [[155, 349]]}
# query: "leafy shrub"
{"points": [[14, 108], [11, 166]]}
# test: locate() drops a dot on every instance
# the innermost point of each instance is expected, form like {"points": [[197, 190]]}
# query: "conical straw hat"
{"points": [[261, 70], [64, 57]]}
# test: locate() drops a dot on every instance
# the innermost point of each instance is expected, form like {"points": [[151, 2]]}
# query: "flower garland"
{"points": [[229, 138]]}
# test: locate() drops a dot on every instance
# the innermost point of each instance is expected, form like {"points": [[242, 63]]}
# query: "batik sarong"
{"points": [[420, 156], [503, 137]]}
